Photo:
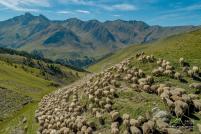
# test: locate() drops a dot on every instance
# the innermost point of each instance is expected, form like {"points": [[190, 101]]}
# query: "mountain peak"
{"points": [[74, 20], [27, 14]]}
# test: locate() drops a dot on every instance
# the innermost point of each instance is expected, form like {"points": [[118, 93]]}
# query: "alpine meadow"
{"points": [[100, 67]]}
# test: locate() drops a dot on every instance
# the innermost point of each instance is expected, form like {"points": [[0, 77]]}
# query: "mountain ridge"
{"points": [[92, 38]]}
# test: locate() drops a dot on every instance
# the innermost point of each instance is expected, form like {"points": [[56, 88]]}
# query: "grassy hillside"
{"points": [[23, 84], [129, 89], [186, 45]]}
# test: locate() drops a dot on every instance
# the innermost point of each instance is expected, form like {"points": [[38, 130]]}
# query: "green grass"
{"points": [[10, 124], [137, 103], [19, 81], [25, 84]]}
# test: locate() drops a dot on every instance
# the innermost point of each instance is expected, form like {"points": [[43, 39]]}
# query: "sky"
{"points": [[153, 12]]}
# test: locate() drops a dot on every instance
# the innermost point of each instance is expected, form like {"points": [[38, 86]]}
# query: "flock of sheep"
{"points": [[85, 107]]}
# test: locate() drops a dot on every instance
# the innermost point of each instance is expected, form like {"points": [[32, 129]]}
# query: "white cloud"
{"points": [[64, 12], [124, 7], [116, 15], [83, 11], [79, 2], [24, 5]]}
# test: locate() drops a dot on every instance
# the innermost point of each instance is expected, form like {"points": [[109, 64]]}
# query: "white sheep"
{"points": [[195, 69], [135, 130], [195, 85]]}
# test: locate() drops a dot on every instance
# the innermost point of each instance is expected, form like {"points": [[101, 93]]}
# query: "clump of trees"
{"points": [[78, 62]]}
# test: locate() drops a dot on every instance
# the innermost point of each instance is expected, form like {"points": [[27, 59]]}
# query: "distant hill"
{"points": [[74, 38]]}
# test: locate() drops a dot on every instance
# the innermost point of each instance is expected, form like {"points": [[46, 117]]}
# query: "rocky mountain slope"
{"points": [[75, 38]]}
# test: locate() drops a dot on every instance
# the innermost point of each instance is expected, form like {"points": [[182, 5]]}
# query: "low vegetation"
{"points": [[24, 80]]}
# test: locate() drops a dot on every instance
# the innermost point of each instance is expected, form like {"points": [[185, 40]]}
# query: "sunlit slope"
{"points": [[22, 85], [186, 45], [18, 85]]}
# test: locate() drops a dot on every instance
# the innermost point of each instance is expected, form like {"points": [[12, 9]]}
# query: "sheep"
{"points": [[115, 125], [193, 96], [134, 86], [161, 89], [153, 88], [175, 97], [89, 130], [177, 92], [163, 65], [100, 118], [126, 123], [84, 128], [142, 81], [108, 107], [126, 117], [190, 73], [173, 131], [178, 111], [180, 91], [141, 119], [148, 127], [195, 85], [134, 80], [53, 131], [161, 125], [147, 88], [180, 108], [199, 127], [185, 69], [115, 131], [197, 104], [181, 61], [169, 73], [165, 94], [150, 79], [178, 76], [141, 73], [169, 103], [91, 98], [186, 98], [157, 72], [195, 69], [114, 115], [135, 130], [91, 124], [66, 130], [134, 122]]}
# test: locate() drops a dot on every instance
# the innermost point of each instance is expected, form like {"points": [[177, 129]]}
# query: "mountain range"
{"points": [[74, 38]]}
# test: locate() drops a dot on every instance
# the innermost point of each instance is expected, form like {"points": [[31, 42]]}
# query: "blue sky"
{"points": [[153, 12]]}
